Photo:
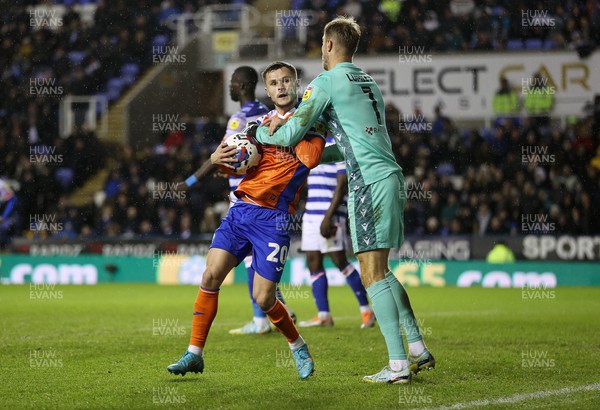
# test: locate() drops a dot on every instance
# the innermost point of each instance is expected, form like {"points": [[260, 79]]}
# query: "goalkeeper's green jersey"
{"points": [[352, 105]]}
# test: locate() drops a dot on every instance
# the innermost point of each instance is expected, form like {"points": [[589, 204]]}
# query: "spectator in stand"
{"points": [[8, 212], [500, 253], [539, 98], [506, 101]]}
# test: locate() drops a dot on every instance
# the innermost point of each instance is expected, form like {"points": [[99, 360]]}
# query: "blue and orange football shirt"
{"points": [[279, 178]]}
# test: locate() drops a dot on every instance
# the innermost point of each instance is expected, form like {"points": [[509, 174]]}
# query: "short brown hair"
{"points": [[276, 65], [346, 30]]}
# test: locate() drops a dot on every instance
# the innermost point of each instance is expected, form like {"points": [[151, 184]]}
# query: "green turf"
{"points": [[107, 346]]}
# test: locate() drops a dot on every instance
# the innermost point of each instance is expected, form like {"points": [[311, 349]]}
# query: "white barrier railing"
{"points": [[93, 117]]}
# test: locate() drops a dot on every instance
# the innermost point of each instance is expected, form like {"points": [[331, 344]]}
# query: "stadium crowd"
{"points": [[461, 25], [461, 181], [480, 182]]}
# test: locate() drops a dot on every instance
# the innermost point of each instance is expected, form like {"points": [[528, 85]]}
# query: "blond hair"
{"points": [[346, 31]]}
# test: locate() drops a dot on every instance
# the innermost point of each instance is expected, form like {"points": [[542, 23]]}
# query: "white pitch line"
{"points": [[459, 313], [518, 397], [357, 317]]}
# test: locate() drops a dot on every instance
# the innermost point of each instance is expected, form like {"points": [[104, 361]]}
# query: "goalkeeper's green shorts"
{"points": [[376, 214]]}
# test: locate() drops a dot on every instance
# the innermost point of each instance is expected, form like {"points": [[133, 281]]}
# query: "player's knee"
{"points": [[264, 300], [339, 260], [314, 260], [210, 278]]}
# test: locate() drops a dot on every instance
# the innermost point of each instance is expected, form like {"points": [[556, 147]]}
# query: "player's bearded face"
{"points": [[281, 87]]}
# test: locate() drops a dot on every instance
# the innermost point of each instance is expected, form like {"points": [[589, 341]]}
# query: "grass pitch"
{"points": [[107, 346]]}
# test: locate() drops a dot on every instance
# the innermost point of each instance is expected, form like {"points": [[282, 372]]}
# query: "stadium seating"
{"points": [[514, 44], [533, 44]]}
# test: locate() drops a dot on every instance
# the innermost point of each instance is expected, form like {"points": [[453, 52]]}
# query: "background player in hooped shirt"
{"points": [[8, 217], [242, 86], [352, 105], [258, 221], [324, 233]]}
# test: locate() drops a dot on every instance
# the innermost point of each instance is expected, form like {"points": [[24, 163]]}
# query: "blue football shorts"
{"points": [[264, 231]]}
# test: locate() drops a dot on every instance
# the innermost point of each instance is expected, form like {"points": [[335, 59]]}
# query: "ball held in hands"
{"points": [[248, 154]]}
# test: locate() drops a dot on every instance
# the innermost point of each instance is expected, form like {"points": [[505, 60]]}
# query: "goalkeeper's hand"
{"points": [[273, 123], [250, 131]]}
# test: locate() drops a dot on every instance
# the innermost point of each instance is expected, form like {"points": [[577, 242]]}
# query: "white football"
{"points": [[248, 156]]}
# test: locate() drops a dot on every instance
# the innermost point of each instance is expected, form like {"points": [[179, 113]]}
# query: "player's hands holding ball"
{"points": [[224, 156]]}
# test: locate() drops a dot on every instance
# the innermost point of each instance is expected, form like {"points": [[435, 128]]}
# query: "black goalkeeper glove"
{"points": [[250, 130]]}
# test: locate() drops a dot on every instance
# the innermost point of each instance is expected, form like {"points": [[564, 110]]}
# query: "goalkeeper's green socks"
{"points": [[385, 309], [406, 315]]}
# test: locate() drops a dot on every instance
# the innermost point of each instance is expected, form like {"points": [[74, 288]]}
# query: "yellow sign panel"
{"points": [[184, 270], [225, 41]]}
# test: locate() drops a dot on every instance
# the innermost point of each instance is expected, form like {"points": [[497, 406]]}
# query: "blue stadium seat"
{"points": [[113, 94], [64, 176], [99, 104], [160, 41], [533, 44], [488, 134], [514, 44], [76, 57], [497, 11], [114, 88], [128, 79], [445, 169], [130, 69], [115, 83]]}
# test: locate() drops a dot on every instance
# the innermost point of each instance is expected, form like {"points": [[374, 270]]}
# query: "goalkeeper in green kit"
{"points": [[352, 104]]}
